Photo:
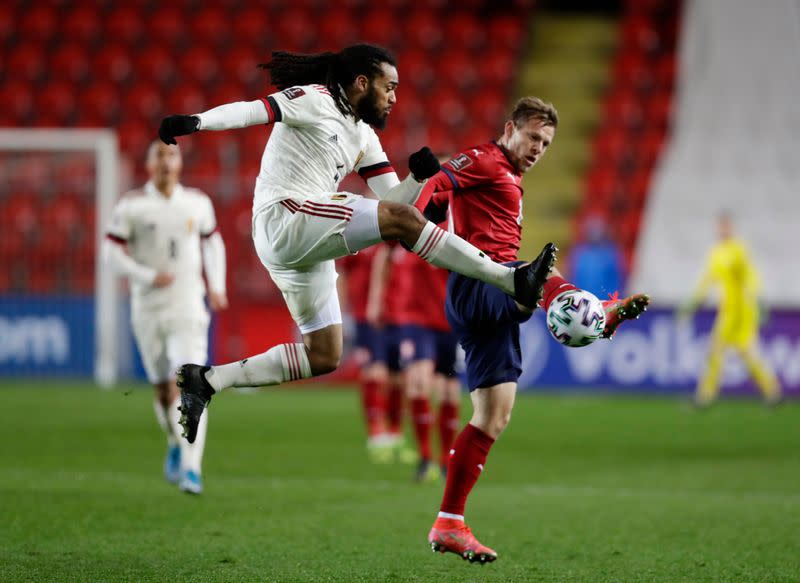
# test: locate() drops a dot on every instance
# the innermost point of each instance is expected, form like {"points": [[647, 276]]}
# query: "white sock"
{"points": [[451, 516], [279, 364], [163, 422], [192, 455], [190, 459], [450, 251]]}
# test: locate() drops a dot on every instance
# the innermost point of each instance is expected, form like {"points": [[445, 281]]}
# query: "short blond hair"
{"points": [[534, 108]]}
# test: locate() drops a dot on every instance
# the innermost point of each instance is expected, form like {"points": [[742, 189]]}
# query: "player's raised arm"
{"points": [[239, 114]]}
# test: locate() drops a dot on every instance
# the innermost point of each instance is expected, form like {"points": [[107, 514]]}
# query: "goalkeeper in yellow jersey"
{"points": [[730, 268]]}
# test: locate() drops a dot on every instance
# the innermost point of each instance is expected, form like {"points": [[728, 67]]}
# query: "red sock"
{"points": [[466, 464], [449, 421], [421, 416], [394, 407], [373, 405], [552, 288]]}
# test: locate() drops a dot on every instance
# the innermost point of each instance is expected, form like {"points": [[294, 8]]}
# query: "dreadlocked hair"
{"points": [[334, 70]]}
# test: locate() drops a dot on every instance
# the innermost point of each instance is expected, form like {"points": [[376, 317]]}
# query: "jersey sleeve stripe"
{"points": [[451, 176], [116, 239], [375, 170], [273, 109]]}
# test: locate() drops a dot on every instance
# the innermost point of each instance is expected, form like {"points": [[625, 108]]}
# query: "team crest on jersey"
{"points": [[338, 196], [460, 162], [293, 92], [189, 225]]}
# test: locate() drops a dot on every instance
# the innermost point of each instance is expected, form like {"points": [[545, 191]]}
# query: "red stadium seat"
{"points": [[124, 24], [665, 72], [240, 67], [38, 23], [381, 26], [27, 62], [57, 100], [659, 110], [251, 26], [632, 71], [167, 25], [81, 24], [208, 26], [422, 28], [113, 63], [144, 101], [70, 63], [416, 69], [187, 99], [8, 24], [497, 68], [461, 70], [295, 28], [155, 62], [625, 109], [337, 29], [640, 35], [17, 100], [507, 32], [464, 32], [200, 65]]}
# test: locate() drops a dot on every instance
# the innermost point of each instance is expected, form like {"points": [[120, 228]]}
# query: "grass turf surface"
{"points": [[578, 489]]}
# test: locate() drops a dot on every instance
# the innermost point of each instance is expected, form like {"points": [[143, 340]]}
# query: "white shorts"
{"points": [[165, 342], [297, 241]]}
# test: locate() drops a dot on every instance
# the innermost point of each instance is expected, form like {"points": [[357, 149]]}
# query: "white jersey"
{"points": [[164, 234], [312, 147]]}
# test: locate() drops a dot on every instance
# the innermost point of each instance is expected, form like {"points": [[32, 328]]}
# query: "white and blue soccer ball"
{"points": [[576, 318]]}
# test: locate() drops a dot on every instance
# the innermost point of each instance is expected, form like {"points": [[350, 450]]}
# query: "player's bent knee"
{"points": [[323, 363], [399, 221]]}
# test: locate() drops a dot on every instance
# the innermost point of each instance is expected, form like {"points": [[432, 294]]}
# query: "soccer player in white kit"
{"points": [[170, 234], [323, 120]]}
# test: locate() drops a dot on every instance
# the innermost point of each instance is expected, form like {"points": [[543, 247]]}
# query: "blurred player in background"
{"points": [[481, 187], [431, 372], [170, 234], [730, 268], [324, 117], [391, 285], [356, 272]]}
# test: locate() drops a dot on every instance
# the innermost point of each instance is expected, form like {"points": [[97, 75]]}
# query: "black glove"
{"points": [[423, 164], [177, 125], [435, 213]]}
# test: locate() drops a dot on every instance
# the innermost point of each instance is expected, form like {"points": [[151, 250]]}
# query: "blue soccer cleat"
{"points": [[172, 464], [191, 483]]}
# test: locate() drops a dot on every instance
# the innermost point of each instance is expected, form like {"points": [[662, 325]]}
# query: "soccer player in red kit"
{"points": [[390, 285], [356, 272], [482, 187], [432, 368]]}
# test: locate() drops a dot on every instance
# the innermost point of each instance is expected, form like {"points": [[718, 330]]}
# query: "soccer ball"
{"points": [[576, 318]]}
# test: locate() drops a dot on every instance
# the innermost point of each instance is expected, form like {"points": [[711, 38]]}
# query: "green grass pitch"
{"points": [[592, 488]]}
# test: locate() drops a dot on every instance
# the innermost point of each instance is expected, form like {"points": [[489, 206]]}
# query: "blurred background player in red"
{"points": [[431, 372], [369, 345], [482, 188], [390, 285]]}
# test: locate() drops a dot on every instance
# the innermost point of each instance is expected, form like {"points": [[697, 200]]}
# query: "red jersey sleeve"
{"points": [[469, 169]]}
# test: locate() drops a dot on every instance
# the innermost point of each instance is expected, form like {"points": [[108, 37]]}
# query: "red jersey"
{"points": [[485, 198], [399, 286], [425, 304], [358, 269]]}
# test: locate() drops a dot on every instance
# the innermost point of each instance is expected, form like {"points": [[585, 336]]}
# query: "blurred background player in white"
{"points": [[170, 234]]}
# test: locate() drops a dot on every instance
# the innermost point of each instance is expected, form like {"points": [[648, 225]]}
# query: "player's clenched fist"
{"points": [[177, 125], [423, 164]]}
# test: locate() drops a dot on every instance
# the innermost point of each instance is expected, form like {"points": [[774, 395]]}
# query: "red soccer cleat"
{"points": [[453, 536], [618, 310]]}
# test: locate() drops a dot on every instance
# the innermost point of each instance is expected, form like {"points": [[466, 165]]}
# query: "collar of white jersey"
{"points": [[151, 190]]}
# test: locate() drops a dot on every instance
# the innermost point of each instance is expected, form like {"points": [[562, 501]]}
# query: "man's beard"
{"points": [[367, 110]]}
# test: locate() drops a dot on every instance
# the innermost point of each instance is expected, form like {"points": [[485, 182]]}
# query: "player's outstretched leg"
{"points": [[529, 279], [618, 310], [195, 396], [453, 536]]}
